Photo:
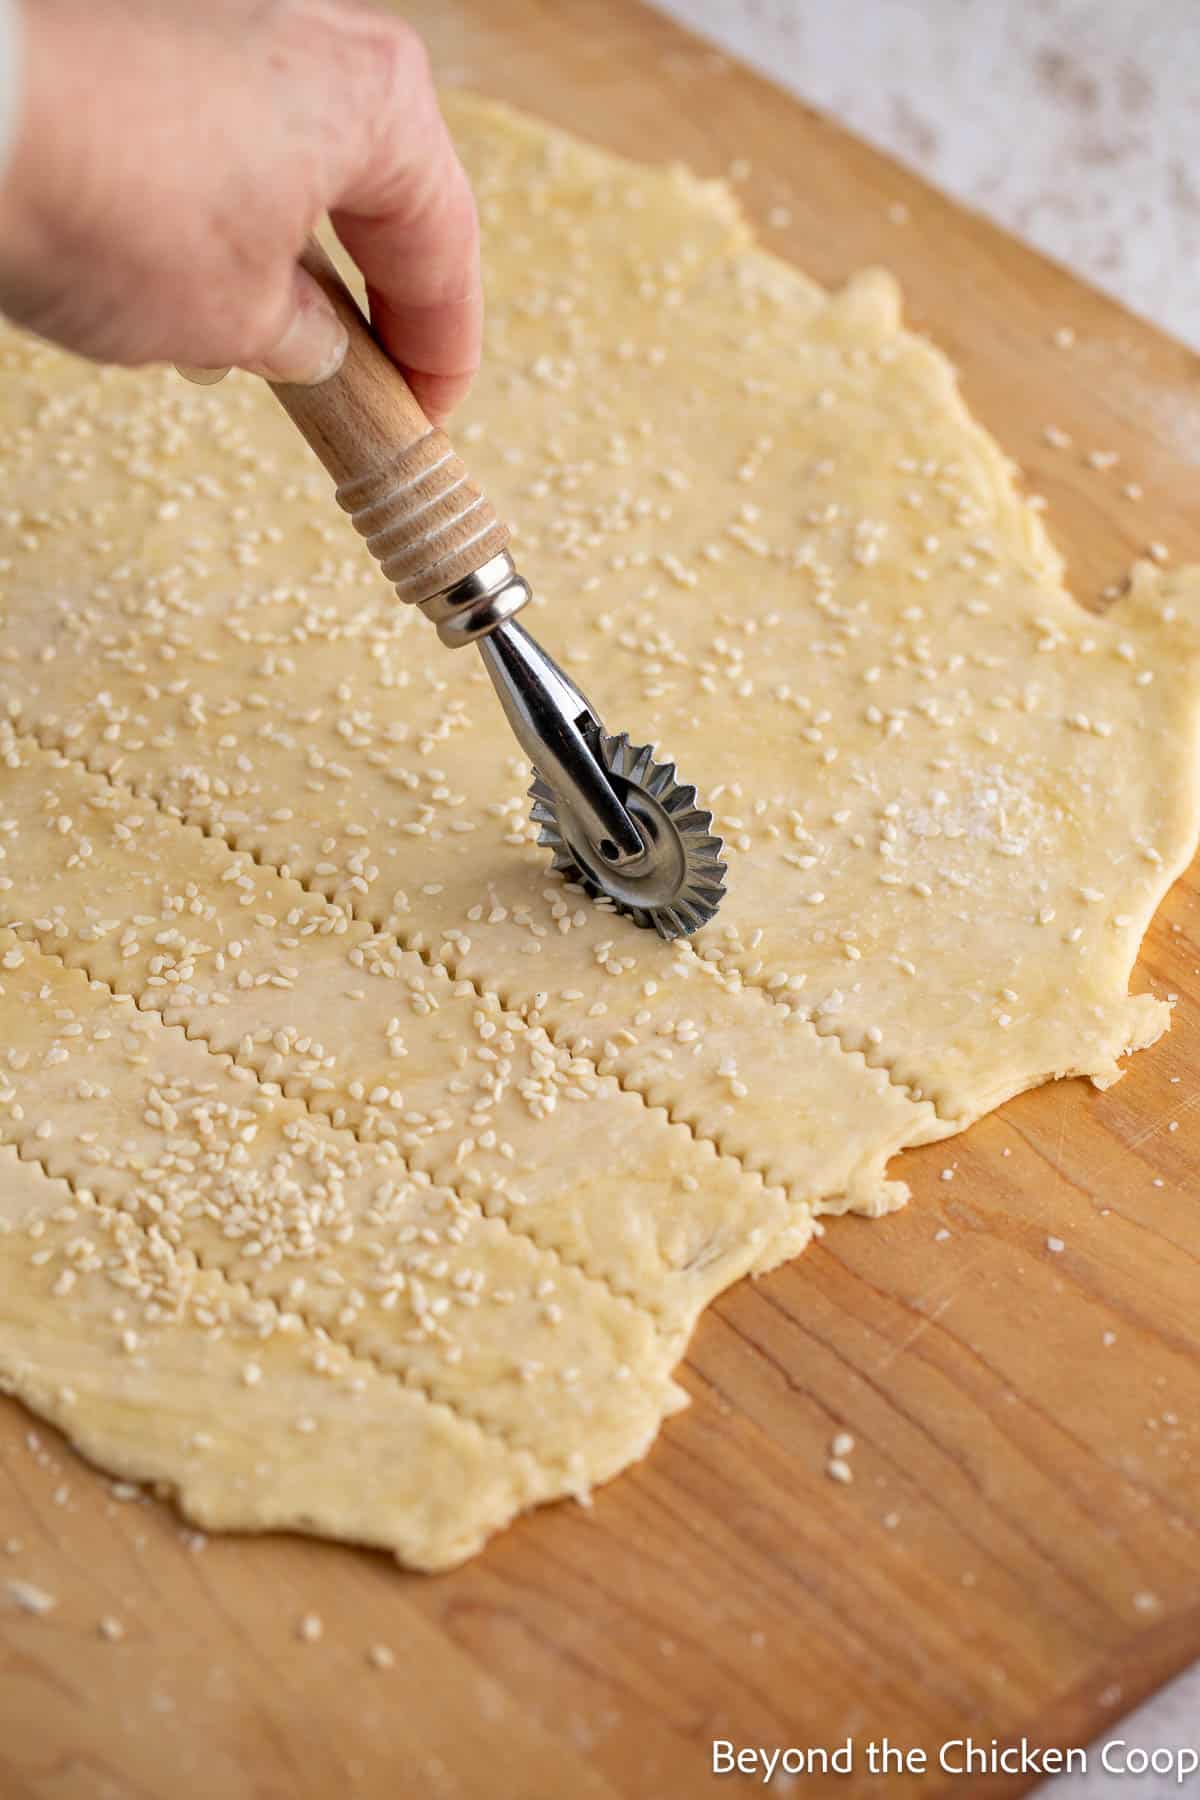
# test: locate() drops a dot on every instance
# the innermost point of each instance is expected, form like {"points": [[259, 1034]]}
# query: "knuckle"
{"points": [[403, 55], [393, 64]]}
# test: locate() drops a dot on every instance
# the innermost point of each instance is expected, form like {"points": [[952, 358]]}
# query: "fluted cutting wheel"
{"points": [[678, 884]]}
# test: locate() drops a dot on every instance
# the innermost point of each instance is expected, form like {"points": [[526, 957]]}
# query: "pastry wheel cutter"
{"points": [[617, 822]]}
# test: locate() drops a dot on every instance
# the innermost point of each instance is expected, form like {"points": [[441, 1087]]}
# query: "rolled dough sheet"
{"points": [[305, 1054]]}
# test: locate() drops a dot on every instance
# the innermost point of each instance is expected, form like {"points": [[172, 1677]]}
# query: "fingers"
{"points": [[171, 227], [407, 216]]}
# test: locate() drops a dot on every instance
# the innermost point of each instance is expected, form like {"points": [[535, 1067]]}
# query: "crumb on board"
{"points": [[29, 1598], [836, 1467]]}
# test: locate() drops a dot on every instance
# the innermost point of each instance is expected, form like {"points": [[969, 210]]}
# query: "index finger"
{"points": [[407, 216]]}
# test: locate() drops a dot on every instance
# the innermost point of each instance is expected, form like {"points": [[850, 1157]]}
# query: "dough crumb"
{"points": [[1055, 1244], [842, 1444], [839, 1470], [381, 1656], [111, 1629], [31, 1599], [310, 1628], [1064, 337]]}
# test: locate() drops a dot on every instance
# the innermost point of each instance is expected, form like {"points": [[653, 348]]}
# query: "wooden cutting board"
{"points": [[1018, 1552]]}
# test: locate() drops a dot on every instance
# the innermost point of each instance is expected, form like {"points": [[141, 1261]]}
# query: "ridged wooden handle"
{"points": [[425, 521]]}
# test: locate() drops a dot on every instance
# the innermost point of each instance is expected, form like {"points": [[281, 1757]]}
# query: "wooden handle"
{"points": [[409, 496]]}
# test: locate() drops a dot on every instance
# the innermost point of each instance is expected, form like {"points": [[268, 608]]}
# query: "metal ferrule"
{"points": [[479, 602]]}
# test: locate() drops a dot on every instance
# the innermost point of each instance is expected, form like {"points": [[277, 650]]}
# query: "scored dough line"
{"points": [[318, 1332], [44, 741], [620, 1296], [918, 1096]]}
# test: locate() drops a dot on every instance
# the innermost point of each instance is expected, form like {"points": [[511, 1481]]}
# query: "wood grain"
{"points": [[1018, 1552]]}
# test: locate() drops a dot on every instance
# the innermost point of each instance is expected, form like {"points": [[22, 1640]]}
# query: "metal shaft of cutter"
{"points": [[553, 723]]}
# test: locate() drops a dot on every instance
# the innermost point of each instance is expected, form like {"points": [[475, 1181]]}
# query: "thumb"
{"points": [[312, 344]]}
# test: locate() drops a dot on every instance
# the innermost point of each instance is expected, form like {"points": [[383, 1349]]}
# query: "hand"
{"points": [[172, 156]]}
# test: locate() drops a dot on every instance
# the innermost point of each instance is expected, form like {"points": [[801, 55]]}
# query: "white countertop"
{"points": [[1075, 124]]}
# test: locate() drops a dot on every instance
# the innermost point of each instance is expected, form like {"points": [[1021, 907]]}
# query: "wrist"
{"points": [[24, 171], [12, 72]]}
